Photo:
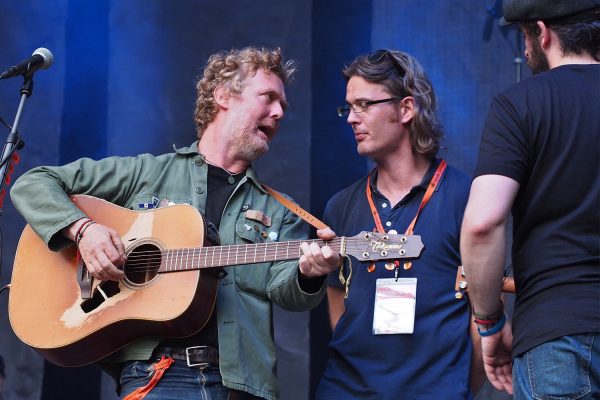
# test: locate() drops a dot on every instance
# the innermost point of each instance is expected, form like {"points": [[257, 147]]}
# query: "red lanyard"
{"points": [[428, 193]]}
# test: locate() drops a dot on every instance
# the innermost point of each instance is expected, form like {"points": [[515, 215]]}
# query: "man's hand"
{"points": [[497, 358], [101, 249], [318, 261]]}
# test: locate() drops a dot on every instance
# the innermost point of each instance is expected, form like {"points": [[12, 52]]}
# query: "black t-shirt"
{"points": [[220, 186], [545, 134]]}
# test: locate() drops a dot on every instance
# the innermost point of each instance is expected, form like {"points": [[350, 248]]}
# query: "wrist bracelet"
{"points": [[494, 329], [491, 317], [85, 221], [486, 321], [86, 225]]}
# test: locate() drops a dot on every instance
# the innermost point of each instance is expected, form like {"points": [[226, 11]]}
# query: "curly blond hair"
{"points": [[230, 69]]}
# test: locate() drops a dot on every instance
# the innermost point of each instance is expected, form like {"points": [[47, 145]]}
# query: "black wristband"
{"points": [[490, 317]]}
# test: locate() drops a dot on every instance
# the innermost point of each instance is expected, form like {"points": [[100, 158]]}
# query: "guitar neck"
{"points": [[222, 256]]}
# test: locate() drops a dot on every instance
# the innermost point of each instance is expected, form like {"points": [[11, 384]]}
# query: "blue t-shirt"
{"points": [[433, 362]]}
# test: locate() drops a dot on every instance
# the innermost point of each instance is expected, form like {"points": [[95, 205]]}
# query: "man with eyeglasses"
{"points": [[540, 159], [400, 333]]}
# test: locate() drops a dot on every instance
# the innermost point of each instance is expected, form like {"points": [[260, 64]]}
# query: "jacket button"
{"points": [[199, 161], [199, 190]]}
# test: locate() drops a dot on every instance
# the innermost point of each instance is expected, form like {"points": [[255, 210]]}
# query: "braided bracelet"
{"points": [[82, 230], [85, 221]]}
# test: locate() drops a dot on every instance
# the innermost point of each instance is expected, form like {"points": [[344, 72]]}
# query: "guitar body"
{"points": [[47, 308]]}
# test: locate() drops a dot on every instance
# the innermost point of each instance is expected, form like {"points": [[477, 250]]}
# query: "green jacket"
{"points": [[245, 295]]}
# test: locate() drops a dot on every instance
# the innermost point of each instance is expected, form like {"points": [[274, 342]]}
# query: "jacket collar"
{"points": [[192, 150]]}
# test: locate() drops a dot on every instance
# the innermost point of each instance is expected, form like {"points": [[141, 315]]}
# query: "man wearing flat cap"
{"points": [[540, 159]]}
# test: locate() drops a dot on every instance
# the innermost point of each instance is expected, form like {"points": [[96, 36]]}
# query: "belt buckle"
{"points": [[187, 357]]}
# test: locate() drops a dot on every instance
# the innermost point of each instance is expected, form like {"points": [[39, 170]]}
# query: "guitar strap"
{"points": [[296, 209], [317, 223]]}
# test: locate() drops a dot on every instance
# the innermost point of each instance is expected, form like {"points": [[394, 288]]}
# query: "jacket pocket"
{"points": [[252, 277], [148, 201]]}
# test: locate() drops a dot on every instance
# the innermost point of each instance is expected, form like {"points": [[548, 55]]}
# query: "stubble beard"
{"points": [[247, 145]]}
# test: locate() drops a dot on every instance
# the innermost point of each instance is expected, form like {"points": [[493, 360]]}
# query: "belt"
{"points": [[195, 356]]}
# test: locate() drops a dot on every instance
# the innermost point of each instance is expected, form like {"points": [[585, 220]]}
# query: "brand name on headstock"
{"points": [[378, 245]]}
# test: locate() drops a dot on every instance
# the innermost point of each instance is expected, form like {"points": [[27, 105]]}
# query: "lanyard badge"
{"points": [[395, 303], [396, 298]]}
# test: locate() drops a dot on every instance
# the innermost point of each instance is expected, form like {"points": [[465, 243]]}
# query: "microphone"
{"points": [[40, 59]]}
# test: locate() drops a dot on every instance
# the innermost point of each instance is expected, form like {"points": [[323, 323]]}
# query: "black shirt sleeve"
{"points": [[504, 148]]}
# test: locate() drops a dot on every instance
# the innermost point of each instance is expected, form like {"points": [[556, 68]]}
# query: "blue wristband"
{"points": [[494, 329]]}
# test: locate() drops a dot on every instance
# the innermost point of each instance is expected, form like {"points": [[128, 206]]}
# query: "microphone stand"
{"points": [[13, 141], [494, 13], [518, 59]]}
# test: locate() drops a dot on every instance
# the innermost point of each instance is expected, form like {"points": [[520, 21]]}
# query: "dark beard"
{"points": [[537, 60]]}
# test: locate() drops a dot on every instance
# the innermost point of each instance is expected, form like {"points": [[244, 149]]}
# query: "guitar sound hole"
{"points": [[142, 264]]}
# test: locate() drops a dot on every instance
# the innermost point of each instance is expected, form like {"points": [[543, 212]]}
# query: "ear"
{"points": [[545, 37], [222, 96], [407, 109]]}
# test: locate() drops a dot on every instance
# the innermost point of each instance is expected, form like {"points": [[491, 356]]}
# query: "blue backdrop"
{"points": [[123, 83]]}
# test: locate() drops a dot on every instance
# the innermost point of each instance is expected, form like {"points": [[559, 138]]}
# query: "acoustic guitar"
{"points": [[170, 282]]}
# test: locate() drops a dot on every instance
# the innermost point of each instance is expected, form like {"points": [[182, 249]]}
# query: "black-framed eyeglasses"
{"points": [[361, 106], [378, 55]]}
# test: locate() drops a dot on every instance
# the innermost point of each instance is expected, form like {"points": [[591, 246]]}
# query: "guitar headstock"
{"points": [[375, 246]]}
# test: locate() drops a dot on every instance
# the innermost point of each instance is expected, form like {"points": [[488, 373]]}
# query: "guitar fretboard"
{"points": [[221, 256]]}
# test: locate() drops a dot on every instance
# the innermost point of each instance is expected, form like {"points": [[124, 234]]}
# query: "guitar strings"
{"points": [[139, 261], [151, 260], [236, 246], [211, 256]]}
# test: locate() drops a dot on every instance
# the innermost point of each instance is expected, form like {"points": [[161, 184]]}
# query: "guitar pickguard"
{"points": [[84, 309]]}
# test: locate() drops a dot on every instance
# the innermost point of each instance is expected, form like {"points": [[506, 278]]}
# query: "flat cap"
{"points": [[561, 11]]}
